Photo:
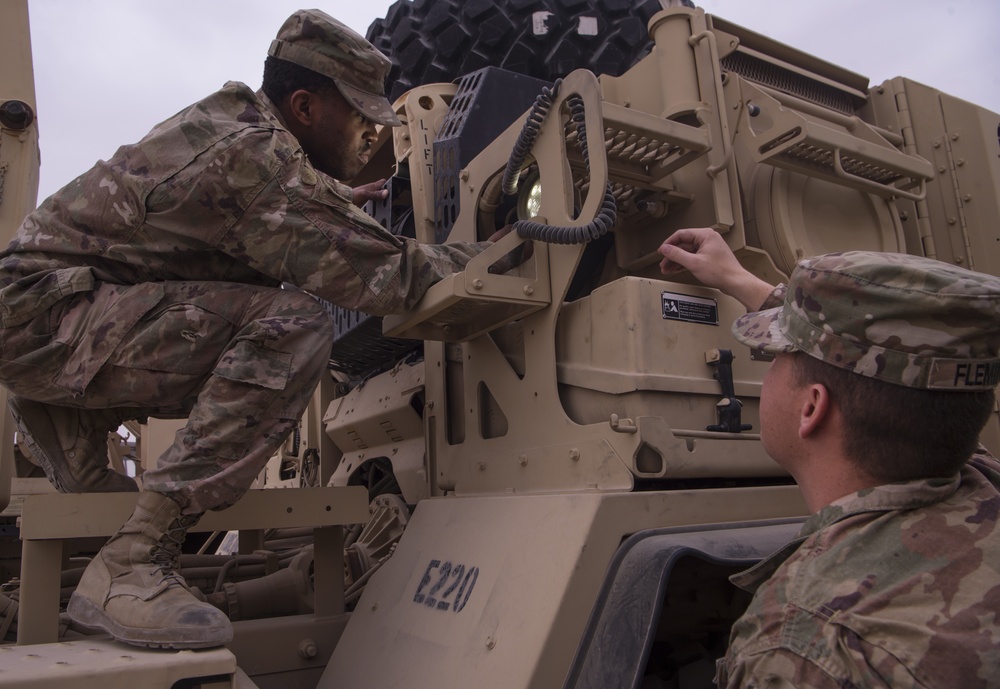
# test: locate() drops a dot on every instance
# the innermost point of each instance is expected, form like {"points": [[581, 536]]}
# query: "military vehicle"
{"points": [[543, 476]]}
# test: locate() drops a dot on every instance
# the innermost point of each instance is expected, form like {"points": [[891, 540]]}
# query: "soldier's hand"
{"points": [[372, 191], [705, 253]]}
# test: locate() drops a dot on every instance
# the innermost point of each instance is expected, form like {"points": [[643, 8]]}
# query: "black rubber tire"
{"points": [[432, 41]]}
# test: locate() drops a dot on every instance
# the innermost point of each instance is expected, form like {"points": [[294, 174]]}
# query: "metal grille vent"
{"points": [[768, 74], [822, 157], [632, 149], [642, 154]]}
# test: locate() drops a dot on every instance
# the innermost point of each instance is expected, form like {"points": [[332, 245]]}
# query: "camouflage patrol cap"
{"points": [[315, 40], [901, 319]]}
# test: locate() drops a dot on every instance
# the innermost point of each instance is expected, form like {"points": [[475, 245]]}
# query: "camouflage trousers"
{"points": [[240, 361]]}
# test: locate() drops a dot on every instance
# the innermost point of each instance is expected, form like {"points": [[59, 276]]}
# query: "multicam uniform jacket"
{"points": [[221, 191], [148, 285], [894, 586]]}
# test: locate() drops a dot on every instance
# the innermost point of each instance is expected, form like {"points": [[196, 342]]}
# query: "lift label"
{"points": [[446, 585], [684, 307]]}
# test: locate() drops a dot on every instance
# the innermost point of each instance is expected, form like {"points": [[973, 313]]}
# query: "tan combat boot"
{"points": [[132, 590], [71, 445]]}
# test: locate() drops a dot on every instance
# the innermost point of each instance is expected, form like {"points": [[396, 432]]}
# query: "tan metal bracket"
{"points": [[47, 520], [860, 158]]}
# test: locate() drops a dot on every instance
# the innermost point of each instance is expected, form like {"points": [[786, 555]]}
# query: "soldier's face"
{"points": [[779, 409], [340, 141]]}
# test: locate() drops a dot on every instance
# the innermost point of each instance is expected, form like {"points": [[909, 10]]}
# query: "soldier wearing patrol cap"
{"points": [[316, 41], [150, 285], [884, 374]]}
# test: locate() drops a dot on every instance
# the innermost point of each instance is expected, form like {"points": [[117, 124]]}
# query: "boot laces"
{"points": [[166, 554]]}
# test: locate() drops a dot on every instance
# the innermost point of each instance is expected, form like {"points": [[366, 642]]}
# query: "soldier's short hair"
{"points": [[898, 433], [282, 78]]}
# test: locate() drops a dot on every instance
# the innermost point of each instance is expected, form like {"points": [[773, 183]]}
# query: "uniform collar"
{"points": [[272, 109], [890, 497]]}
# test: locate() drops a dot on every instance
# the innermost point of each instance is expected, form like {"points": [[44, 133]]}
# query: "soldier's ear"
{"points": [[815, 410], [301, 108]]}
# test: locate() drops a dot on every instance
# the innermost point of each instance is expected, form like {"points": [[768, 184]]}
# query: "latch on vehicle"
{"points": [[729, 409]]}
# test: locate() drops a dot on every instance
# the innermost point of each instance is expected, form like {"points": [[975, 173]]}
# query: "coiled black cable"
{"points": [[526, 139], [552, 234]]}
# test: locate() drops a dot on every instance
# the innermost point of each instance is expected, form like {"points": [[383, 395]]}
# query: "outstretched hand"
{"points": [[705, 253], [372, 191]]}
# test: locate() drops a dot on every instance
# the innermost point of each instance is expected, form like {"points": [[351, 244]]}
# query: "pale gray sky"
{"points": [[106, 71]]}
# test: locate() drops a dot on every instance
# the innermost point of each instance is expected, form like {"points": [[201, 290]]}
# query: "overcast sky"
{"points": [[106, 71]]}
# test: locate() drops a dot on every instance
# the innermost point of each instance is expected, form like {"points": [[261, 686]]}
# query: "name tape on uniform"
{"points": [[963, 374]]}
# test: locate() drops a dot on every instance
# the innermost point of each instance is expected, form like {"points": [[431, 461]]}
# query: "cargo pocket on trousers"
{"points": [[114, 311], [266, 370]]}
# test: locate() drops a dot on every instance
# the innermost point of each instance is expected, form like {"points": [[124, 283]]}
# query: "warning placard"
{"points": [[684, 307]]}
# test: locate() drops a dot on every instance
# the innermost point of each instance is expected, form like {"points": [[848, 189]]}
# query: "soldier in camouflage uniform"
{"points": [[884, 375], [150, 285]]}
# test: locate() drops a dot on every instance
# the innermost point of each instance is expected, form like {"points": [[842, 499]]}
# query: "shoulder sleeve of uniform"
{"points": [[983, 460], [304, 229]]}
